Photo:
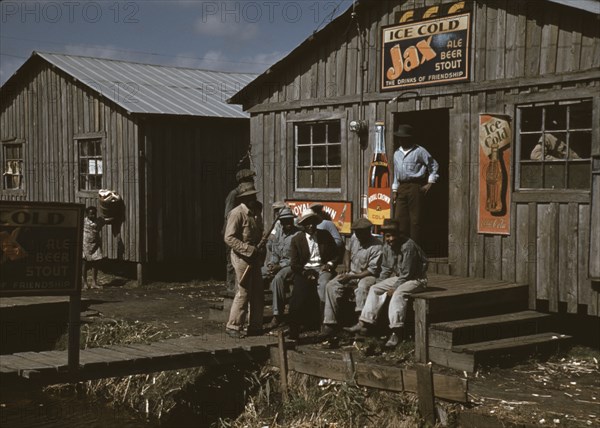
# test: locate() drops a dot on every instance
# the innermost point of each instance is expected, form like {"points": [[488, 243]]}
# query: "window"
{"points": [[318, 155], [90, 163], [12, 174], [555, 141]]}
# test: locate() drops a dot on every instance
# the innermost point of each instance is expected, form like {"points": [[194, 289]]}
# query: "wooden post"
{"points": [[421, 307], [425, 393], [283, 372], [350, 367], [140, 274], [74, 331]]}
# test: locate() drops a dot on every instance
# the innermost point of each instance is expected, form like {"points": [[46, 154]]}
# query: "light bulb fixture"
{"points": [[358, 126]]}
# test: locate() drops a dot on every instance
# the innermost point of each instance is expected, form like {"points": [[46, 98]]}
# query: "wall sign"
{"points": [[426, 52], [40, 248], [495, 147], [339, 211]]}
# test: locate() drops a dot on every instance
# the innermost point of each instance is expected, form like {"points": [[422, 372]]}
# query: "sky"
{"points": [[244, 35]]}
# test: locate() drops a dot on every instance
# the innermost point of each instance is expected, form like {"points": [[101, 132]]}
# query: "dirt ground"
{"points": [[562, 391]]}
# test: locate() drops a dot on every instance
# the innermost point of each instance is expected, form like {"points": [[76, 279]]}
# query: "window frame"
{"points": [[79, 139], [519, 161], [4, 145], [312, 122]]}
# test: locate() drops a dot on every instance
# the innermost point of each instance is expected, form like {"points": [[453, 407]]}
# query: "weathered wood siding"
{"points": [[520, 52], [49, 110], [190, 169]]}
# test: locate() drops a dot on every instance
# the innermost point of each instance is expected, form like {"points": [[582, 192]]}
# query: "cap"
{"points": [[361, 223], [390, 225], [308, 217], [286, 213], [404, 131], [244, 173]]}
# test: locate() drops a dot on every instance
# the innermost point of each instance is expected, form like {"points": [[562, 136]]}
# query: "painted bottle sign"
{"points": [[493, 178], [379, 201]]}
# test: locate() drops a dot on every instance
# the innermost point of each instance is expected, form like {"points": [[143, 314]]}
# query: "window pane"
{"points": [[303, 134], [98, 147], [84, 149], [83, 166], [334, 132], [531, 175], [335, 178], [319, 130], [556, 117], [320, 177], [304, 156], [335, 155], [531, 119], [554, 175], [530, 148], [579, 175], [581, 144], [304, 178], [581, 115], [320, 156]]}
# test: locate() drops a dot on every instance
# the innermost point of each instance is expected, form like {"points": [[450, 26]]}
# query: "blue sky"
{"points": [[244, 35]]}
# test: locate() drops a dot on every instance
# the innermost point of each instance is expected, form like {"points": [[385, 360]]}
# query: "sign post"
{"points": [[40, 255]]}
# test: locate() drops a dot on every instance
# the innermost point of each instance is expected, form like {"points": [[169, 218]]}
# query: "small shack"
{"points": [[164, 138], [470, 76]]}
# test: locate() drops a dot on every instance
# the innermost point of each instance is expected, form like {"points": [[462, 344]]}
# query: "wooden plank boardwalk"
{"points": [[121, 360]]}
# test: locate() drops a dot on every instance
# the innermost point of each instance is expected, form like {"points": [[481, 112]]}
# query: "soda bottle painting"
{"points": [[379, 202]]}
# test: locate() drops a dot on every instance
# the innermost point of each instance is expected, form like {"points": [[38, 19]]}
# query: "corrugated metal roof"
{"points": [[156, 89], [592, 6]]}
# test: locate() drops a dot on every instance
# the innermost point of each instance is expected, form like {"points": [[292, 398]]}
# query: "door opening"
{"points": [[432, 130]]}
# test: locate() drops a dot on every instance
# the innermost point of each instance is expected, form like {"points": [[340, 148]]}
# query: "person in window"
{"points": [[243, 235], [403, 272], [362, 262], [314, 257], [278, 271], [242, 176], [551, 148], [415, 171], [92, 245]]}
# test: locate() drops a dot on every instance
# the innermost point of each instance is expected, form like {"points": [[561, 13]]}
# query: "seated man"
{"points": [[361, 267], [277, 270], [314, 257], [403, 272]]}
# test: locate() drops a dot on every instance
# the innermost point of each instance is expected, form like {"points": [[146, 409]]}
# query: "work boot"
{"points": [[235, 334], [358, 328], [392, 341], [328, 329], [275, 322]]}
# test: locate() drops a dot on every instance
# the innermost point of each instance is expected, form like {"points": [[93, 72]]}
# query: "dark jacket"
{"points": [[300, 253]]}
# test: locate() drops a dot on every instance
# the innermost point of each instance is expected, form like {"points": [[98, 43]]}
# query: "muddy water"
{"points": [[27, 407]]}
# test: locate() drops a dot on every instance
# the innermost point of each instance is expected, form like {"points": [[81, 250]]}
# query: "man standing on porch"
{"points": [[415, 171]]}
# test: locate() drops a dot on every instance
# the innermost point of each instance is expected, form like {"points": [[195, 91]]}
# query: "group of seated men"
{"points": [[306, 252]]}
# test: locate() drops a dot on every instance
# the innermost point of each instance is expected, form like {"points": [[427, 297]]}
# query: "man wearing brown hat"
{"points": [[243, 234], [314, 257], [403, 272], [415, 171], [242, 176], [362, 261]]}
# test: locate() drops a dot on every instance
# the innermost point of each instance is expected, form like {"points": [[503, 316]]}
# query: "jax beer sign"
{"points": [[426, 52], [40, 248]]}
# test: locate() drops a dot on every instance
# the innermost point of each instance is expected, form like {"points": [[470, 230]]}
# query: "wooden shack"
{"points": [[533, 65], [162, 137]]}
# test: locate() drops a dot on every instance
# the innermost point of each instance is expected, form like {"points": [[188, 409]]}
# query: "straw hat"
{"points": [[308, 217]]}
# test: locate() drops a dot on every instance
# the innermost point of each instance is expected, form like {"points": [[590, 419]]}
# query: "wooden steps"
{"points": [[463, 323]]}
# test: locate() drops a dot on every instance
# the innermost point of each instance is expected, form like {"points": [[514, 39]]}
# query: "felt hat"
{"points": [[361, 224], [246, 189], [390, 225], [279, 205], [404, 131], [308, 217], [316, 206]]}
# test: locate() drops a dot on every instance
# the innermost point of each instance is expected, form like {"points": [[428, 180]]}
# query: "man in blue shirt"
{"points": [[415, 171]]}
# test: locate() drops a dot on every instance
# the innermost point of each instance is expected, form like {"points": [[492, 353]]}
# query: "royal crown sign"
{"points": [[427, 52]]}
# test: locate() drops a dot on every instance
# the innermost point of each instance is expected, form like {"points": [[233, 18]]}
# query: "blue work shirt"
{"points": [[416, 164]]}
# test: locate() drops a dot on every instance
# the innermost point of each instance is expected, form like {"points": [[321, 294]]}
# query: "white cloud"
{"points": [[216, 26]]}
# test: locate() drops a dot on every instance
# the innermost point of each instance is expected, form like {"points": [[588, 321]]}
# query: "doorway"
{"points": [[432, 131]]}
